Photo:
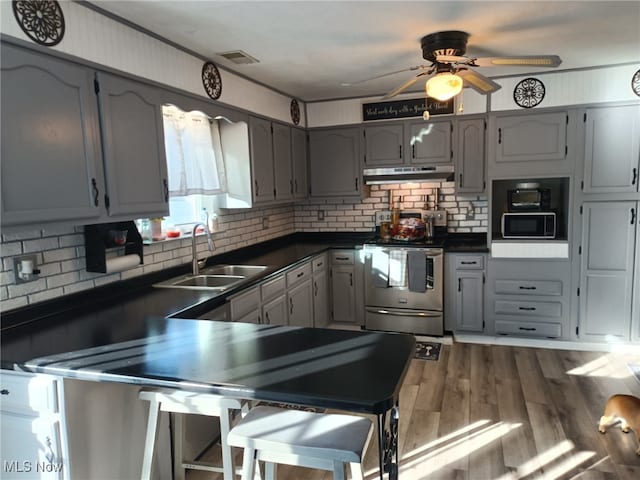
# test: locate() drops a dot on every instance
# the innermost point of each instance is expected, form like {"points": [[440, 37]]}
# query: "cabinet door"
{"points": [[470, 156], [334, 162], [300, 300], [383, 145], [261, 147], [254, 316], [282, 162], [607, 269], [430, 143], [299, 160], [531, 137], [31, 447], [51, 168], [343, 293], [469, 300], [612, 149], [274, 312], [133, 145], [320, 299]]}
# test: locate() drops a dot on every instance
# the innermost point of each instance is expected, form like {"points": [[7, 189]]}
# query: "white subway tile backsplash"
{"points": [[45, 295], [11, 249], [39, 245], [59, 254]]}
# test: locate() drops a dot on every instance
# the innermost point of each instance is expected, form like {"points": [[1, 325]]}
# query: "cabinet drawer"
{"points": [[273, 287], [531, 309], [469, 262], [299, 274], [529, 287], [343, 258], [537, 329], [28, 393], [244, 303], [319, 263]]}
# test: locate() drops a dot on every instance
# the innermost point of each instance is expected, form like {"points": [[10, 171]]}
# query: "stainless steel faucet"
{"points": [[198, 264]]}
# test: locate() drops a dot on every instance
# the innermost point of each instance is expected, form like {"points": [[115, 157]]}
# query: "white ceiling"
{"points": [[307, 49]]}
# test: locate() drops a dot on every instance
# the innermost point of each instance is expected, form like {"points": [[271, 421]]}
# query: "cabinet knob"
{"points": [[4, 391]]}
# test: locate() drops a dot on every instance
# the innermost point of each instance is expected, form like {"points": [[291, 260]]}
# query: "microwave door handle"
{"points": [[404, 312]]}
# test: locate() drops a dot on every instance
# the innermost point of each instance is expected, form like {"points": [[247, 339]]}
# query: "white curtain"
{"points": [[194, 153]]}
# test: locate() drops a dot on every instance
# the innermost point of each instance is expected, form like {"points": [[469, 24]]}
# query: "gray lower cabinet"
{"points": [[261, 150], [606, 270], [320, 291], [334, 162], [51, 166], [347, 288], [464, 293], [611, 149], [299, 163], [528, 297], [300, 295], [469, 154], [274, 312], [135, 164], [34, 440], [246, 306]]}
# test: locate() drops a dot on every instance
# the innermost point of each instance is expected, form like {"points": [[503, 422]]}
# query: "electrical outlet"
{"points": [[265, 222], [383, 216], [320, 214]]}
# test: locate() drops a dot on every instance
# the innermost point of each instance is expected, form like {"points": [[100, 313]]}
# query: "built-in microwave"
{"points": [[541, 225], [532, 199]]}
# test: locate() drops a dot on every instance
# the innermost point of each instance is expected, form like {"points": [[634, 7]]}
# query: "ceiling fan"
{"points": [[453, 71]]}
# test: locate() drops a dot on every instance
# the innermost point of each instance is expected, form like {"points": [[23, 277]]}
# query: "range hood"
{"points": [[378, 176]]}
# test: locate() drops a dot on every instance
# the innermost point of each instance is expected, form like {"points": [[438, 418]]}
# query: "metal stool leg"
{"points": [[150, 440]]}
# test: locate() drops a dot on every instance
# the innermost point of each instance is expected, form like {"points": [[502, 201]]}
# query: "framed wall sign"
{"points": [[405, 108]]}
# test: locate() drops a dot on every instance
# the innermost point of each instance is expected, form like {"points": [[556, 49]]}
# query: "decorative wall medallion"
{"points": [[211, 80], [635, 83], [295, 112], [529, 93], [42, 21]]}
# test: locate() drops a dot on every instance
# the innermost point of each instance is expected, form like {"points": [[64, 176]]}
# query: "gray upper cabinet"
{"points": [[334, 162], [611, 149], [299, 162], [51, 166], [133, 147], [529, 144], [429, 142], [383, 145], [282, 171], [606, 269], [469, 155], [261, 148]]}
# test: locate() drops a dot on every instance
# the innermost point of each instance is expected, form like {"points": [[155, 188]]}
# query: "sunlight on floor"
{"points": [[600, 367], [442, 453]]}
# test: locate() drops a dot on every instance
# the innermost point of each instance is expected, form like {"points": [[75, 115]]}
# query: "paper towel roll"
{"points": [[125, 262]]}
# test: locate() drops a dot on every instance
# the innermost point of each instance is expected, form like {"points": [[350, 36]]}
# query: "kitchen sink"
{"points": [[240, 270], [217, 278]]}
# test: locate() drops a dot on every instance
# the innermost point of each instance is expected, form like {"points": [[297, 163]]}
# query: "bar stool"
{"points": [[178, 401], [306, 439]]}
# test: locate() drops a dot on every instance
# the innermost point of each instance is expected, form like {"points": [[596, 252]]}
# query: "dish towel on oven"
{"points": [[397, 268], [417, 266]]}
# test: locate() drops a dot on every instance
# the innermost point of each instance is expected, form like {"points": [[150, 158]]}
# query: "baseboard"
{"points": [[546, 343]]}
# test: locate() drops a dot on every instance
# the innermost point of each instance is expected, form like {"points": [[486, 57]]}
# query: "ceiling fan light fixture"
{"points": [[443, 86]]}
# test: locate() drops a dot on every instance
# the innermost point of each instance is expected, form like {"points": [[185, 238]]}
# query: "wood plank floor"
{"points": [[498, 412]]}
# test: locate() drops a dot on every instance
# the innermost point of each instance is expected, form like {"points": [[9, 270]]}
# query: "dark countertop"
{"points": [[348, 370], [117, 313], [466, 243]]}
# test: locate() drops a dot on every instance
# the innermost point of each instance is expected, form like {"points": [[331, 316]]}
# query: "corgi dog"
{"points": [[626, 409]]}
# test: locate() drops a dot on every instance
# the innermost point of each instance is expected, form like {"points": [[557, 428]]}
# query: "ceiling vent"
{"points": [[239, 57]]}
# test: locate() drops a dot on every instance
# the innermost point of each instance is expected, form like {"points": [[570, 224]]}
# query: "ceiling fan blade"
{"points": [[478, 82], [523, 61], [405, 85], [417, 67]]}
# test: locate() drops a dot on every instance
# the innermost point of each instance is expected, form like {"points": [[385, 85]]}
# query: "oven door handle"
{"points": [[404, 312]]}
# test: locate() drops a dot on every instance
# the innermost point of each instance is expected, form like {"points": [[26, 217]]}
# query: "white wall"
{"points": [[95, 37], [596, 85]]}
